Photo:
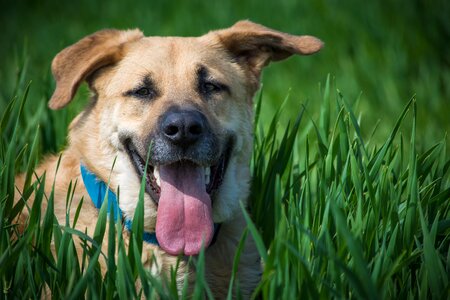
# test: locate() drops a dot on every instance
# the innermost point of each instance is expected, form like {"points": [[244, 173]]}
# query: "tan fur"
{"points": [[113, 62]]}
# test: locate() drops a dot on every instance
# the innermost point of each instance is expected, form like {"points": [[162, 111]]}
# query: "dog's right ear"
{"points": [[75, 63]]}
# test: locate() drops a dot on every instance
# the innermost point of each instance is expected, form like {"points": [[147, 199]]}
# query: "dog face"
{"points": [[186, 104]]}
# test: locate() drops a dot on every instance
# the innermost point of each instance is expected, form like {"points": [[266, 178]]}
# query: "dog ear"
{"points": [[75, 63], [256, 45]]}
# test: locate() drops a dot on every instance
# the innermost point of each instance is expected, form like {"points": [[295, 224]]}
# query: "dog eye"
{"points": [[209, 88], [142, 92]]}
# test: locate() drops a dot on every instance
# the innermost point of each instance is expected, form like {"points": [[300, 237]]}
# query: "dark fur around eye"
{"points": [[143, 92], [146, 90], [208, 87]]}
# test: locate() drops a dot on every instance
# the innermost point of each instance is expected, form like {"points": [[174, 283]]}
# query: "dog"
{"points": [[185, 103]]}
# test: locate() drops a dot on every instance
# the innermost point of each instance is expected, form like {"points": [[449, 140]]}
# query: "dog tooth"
{"points": [[156, 174], [207, 175]]}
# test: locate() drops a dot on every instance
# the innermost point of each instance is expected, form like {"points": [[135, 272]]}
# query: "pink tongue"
{"points": [[184, 219]]}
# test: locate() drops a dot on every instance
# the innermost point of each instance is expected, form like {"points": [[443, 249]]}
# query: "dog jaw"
{"points": [[129, 193], [235, 188]]}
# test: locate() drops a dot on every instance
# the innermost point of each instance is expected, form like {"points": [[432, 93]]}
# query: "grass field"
{"points": [[351, 187]]}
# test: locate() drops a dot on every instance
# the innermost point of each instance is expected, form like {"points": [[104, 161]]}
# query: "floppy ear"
{"points": [[75, 63], [255, 45]]}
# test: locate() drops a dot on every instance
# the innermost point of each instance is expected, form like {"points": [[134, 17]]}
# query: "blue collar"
{"points": [[98, 190]]}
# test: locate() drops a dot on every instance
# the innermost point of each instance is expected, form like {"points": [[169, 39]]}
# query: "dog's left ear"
{"points": [[256, 45], [75, 63]]}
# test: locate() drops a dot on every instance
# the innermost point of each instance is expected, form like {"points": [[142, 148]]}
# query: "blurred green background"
{"points": [[384, 51]]}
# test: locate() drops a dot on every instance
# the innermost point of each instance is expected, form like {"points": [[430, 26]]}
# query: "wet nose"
{"points": [[183, 127]]}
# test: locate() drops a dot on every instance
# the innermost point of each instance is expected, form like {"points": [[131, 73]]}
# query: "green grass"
{"points": [[351, 188], [350, 218], [387, 51], [335, 215]]}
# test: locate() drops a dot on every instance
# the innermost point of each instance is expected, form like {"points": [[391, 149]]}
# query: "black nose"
{"points": [[183, 127]]}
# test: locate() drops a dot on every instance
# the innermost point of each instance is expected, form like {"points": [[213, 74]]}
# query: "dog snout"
{"points": [[184, 127]]}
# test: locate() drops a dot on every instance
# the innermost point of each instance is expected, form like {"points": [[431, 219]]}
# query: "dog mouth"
{"points": [[183, 191], [214, 174]]}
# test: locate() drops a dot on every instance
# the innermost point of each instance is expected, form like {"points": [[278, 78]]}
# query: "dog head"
{"points": [[186, 104]]}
